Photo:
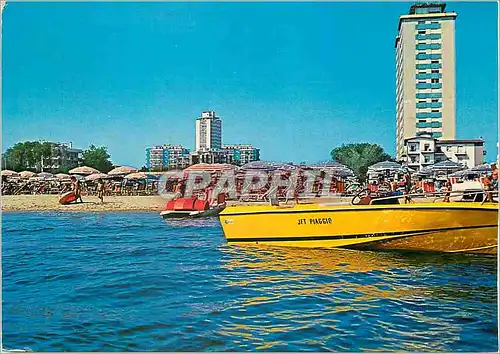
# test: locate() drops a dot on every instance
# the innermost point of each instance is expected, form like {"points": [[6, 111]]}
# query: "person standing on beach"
{"points": [[100, 190], [77, 189]]}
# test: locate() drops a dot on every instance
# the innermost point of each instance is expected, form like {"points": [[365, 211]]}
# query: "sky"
{"points": [[294, 79]]}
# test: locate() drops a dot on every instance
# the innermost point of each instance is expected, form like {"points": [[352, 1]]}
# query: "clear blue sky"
{"points": [[295, 79]]}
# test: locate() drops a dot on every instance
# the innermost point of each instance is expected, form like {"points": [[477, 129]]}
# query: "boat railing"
{"points": [[436, 195]]}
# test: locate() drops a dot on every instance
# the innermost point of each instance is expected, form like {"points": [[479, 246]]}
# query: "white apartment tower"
{"points": [[208, 132], [425, 74]]}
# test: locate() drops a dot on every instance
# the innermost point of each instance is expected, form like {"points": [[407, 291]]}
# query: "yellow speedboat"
{"points": [[446, 227]]}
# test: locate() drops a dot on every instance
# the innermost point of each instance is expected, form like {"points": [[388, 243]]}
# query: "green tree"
{"points": [[143, 169], [98, 158], [358, 157], [28, 155]]}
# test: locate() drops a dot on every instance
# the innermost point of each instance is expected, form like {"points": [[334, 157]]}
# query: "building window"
{"points": [[435, 81], [435, 100]]}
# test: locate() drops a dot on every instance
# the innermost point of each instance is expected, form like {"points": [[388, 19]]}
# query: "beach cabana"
{"points": [[9, 173], [122, 171], [83, 170], [26, 174]]}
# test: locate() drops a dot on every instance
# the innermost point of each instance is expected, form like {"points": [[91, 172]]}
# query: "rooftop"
{"points": [[427, 7]]}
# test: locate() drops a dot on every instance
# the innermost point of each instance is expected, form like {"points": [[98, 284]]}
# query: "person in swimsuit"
{"points": [[488, 190], [447, 189], [77, 189], [100, 190]]}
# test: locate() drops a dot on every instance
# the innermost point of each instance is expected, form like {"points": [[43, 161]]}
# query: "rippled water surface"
{"points": [[131, 281]]}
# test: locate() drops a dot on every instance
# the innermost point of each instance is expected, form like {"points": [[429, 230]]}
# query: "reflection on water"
{"points": [[128, 282], [381, 297]]}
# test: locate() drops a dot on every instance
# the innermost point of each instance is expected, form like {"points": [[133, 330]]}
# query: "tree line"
{"points": [[37, 156]]}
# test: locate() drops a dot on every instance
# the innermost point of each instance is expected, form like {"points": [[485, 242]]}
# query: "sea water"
{"points": [[134, 282]]}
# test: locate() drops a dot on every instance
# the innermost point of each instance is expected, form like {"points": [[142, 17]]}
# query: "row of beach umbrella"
{"points": [[127, 172], [82, 173]]}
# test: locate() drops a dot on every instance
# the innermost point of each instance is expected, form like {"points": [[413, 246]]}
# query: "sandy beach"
{"points": [[90, 203]]}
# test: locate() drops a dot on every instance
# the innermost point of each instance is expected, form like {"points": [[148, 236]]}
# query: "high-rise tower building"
{"points": [[208, 132], [425, 74]]}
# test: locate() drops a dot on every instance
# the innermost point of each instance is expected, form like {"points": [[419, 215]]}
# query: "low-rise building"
{"points": [[240, 154], [64, 156], [167, 157], [424, 150]]}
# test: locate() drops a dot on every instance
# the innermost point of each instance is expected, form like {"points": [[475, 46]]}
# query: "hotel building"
{"points": [[425, 74], [208, 132], [424, 150], [240, 154], [167, 157]]}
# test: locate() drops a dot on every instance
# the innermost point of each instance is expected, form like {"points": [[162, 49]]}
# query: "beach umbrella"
{"points": [[136, 175], [95, 176], [9, 173], [386, 165], [45, 175], [27, 174], [333, 166], [122, 171], [446, 166], [211, 167], [485, 168], [268, 166], [83, 170], [62, 176]]}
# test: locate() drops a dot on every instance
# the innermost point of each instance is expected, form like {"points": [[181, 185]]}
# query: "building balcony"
{"points": [[415, 152], [427, 151], [461, 153]]}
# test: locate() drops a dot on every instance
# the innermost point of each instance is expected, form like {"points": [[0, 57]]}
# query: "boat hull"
{"points": [[177, 214], [443, 227]]}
